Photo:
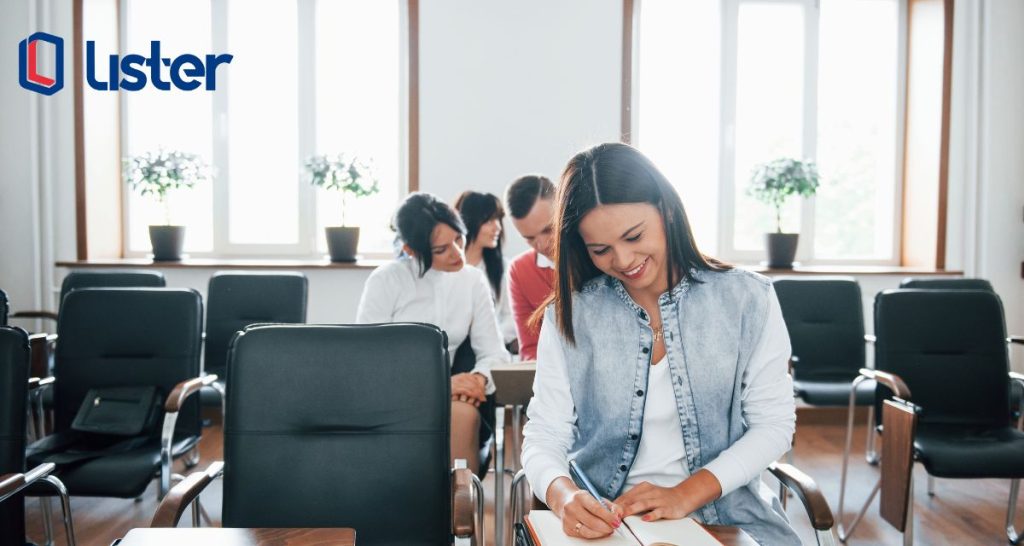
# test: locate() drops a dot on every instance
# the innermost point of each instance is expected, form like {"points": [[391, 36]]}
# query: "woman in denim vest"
{"points": [[661, 371]]}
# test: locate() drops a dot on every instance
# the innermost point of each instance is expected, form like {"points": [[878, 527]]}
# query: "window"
{"points": [[724, 86], [308, 77]]}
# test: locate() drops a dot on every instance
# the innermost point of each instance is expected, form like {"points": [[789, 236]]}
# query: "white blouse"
{"points": [[459, 303], [502, 307], [767, 407]]}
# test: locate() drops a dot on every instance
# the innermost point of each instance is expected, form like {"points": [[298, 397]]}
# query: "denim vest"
{"points": [[711, 327]]}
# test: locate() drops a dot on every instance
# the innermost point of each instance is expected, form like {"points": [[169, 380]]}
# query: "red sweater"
{"points": [[528, 285]]}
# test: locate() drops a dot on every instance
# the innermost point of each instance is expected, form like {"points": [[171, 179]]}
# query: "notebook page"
{"points": [[548, 528], [682, 532]]}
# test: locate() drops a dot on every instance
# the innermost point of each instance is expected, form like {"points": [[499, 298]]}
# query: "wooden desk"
{"points": [[215, 536], [730, 536]]}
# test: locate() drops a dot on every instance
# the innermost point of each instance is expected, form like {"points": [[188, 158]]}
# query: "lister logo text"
{"points": [[185, 72]]}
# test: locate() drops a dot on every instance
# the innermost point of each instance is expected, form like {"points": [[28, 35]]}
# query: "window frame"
{"points": [[727, 127], [306, 247]]}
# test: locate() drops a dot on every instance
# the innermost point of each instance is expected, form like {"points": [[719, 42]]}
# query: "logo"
{"points": [[29, 75], [185, 72]]}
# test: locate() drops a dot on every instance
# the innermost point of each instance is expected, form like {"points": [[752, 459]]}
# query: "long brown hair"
{"points": [[607, 174]]}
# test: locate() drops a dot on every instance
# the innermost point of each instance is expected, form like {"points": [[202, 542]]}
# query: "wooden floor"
{"points": [[961, 512]]}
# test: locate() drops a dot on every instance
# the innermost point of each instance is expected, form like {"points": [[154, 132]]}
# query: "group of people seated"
{"points": [[660, 370]]}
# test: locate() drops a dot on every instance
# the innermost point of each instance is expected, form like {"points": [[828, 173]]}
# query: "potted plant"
{"points": [[154, 174], [773, 183], [351, 177]]}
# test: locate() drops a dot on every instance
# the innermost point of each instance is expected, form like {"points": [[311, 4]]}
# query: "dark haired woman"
{"points": [[661, 371], [428, 283], [485, 232]]}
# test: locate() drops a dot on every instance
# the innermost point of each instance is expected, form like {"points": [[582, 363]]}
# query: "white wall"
{"points": [[509, 88]]}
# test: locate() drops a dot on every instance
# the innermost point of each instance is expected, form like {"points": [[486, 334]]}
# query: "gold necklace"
{"points": [[659, 332]]}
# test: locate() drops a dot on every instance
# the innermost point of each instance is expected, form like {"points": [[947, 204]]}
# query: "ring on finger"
{"points": [[577, 527]]}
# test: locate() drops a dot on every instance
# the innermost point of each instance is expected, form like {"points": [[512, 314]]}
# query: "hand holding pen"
{"points": [[584, 514]]}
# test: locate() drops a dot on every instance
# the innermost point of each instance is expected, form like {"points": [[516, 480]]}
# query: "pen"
{"points": [[581, 479]]}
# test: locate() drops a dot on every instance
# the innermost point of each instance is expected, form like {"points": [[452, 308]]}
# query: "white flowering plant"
{"points": [[155, 173], [343, 173]]}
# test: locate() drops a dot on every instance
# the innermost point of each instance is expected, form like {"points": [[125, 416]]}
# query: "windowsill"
{"points": [[225, 263], [286, 263]]}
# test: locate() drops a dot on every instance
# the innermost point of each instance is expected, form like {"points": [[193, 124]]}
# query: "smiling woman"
{"points": [[646, 339]]}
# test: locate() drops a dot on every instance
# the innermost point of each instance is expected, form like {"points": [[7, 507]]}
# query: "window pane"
{"points": [[263, 162], [678, 102], [357, 105], [857, 103], [769, 109], [173, 120]]}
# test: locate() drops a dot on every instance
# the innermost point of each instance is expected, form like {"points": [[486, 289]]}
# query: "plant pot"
{"points": [[167, 242], [342, 243], [781, 249]]}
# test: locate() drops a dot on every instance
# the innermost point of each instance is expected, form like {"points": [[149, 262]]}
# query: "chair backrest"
{"points": [[14, 362], [340, 426], [946, 283], [5, 306], [900, 422], [825, 320], [949, 347], [120, 337], [115, 278], [236, 300]]}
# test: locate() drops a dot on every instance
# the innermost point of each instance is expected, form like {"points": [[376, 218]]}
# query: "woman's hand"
{"points": [[469, 387], [671, 502], [582, 516]]}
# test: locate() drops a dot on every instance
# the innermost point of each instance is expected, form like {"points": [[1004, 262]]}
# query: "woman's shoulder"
{"points": [[736, 277], [395, 270]]}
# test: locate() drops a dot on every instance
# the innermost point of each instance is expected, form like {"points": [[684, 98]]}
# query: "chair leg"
{"points": [[47, 512], [843, 531], [931, 485], [65, 504], [908, 533], [1012, 534], [517, 499], [499, 476], [479, 539], [870, 454]]}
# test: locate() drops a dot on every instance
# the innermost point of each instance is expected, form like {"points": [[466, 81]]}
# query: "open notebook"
{"points": [[546, 530]]}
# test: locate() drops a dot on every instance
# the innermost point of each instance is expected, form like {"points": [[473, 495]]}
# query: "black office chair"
{"points": [[945, 351], [946, 283], [15, 385], [4, 308], [127, 337], [236, 300], [99, 278], [339, 426], [825, 320]]}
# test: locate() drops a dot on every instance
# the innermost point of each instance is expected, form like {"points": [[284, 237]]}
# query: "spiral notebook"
{"points": [[545, 529]]}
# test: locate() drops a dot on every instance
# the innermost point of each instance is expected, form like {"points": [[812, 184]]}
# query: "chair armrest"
{"points": [[462, 503], [805, 488], [186, 388], [10, 484], [35, 315], [890, 380], [180, 496], [40, 382], [1019, 340]]}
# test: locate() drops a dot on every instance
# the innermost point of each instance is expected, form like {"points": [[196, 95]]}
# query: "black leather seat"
{"points": [[116, 337], [236, 300], [336, 426], [825, 320], [945, 351], [14, 389], [4, 308], [99, 278]]}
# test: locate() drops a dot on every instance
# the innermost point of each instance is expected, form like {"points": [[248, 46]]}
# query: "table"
{"points": [[216, 536], [513, 385]]}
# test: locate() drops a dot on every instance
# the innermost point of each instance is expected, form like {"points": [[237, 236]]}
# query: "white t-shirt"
{"points": [[661, 456]]}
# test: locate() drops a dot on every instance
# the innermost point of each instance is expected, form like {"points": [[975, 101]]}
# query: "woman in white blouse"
{"points": [[429, 283], [482, 214]]}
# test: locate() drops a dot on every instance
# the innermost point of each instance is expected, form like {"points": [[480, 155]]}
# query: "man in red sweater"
{"points": [[531, 275]]}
